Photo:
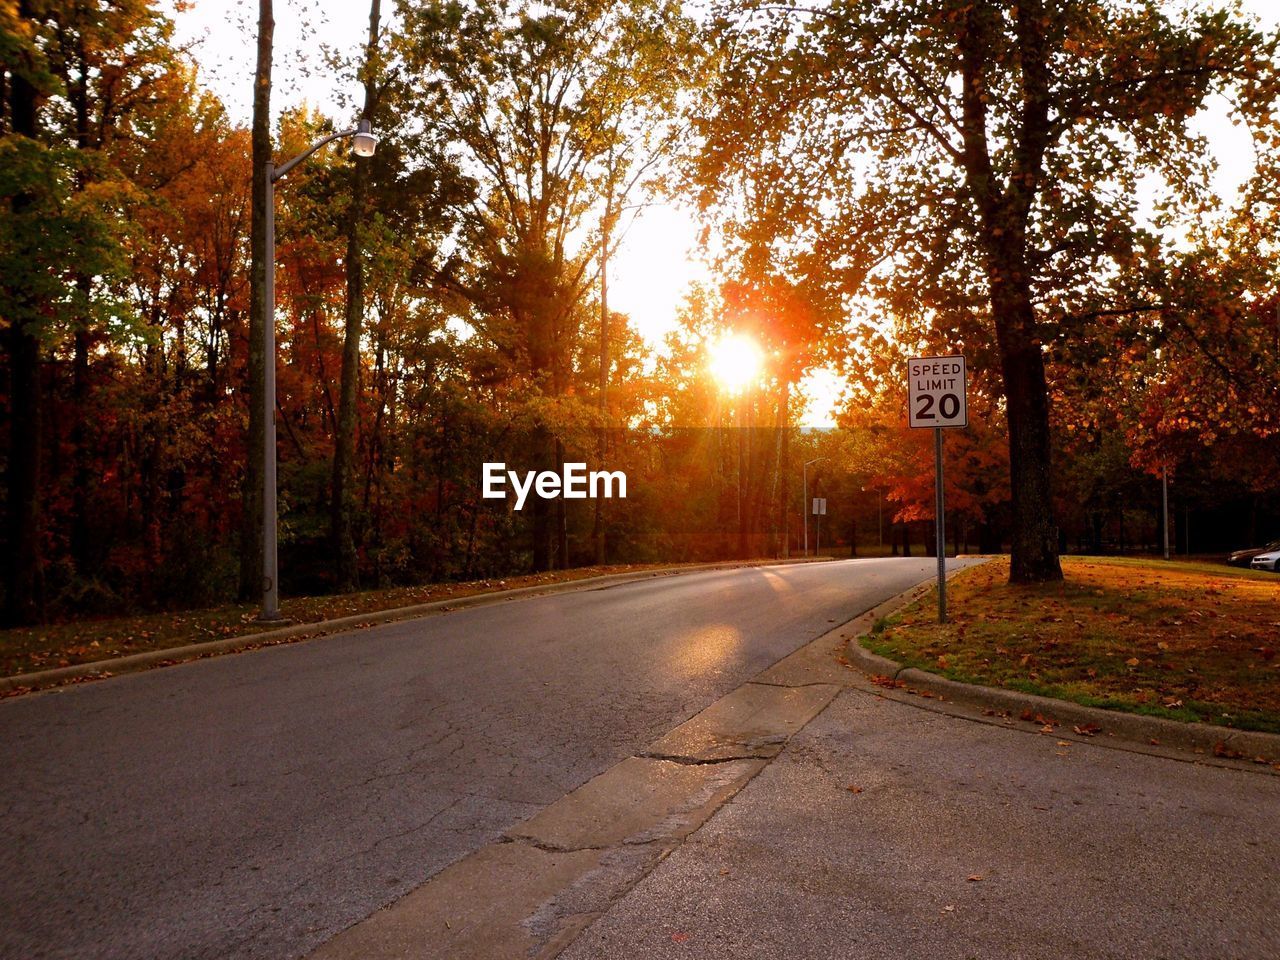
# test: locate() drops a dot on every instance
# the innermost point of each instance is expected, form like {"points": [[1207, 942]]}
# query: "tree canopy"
{"points": [[1027, 184], [975, 168]]}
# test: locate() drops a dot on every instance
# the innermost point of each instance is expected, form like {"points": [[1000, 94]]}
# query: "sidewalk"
{"points": [[887, 831]]}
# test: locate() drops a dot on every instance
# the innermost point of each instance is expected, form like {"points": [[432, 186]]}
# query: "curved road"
{"points": [[254, 805]]}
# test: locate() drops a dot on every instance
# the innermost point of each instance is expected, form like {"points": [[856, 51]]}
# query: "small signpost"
{"points": [[936, 389], [819, 511]]}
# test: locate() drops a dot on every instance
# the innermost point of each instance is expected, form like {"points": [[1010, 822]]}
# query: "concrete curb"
{"points": [[1198, 738], [102, 669]]}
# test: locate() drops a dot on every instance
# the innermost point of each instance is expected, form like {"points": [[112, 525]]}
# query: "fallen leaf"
{"points": [[974, 877], [883, 681], [679, 937]]}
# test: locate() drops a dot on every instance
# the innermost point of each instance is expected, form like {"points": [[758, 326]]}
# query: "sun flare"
{"points": [[735, 362]]}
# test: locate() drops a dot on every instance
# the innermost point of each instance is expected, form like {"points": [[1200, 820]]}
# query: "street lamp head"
{"points": [[366, 141]]}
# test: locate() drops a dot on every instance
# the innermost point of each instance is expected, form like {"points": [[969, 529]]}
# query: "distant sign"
{"points": [[819, 506], [936, 392]]}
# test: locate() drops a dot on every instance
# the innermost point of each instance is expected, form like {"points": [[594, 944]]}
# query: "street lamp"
{"points": [[805, 509], [365, 140], [365, 143]]}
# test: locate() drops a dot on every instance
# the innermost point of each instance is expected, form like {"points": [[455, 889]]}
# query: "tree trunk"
{"points": [[784, 466], [82, 477], [255, 388], [24, 574], [1034, 537], [561, 515], [543, 447], [24, 600], [597, 533], [743, 491], [1004, 213], [340, 533]]}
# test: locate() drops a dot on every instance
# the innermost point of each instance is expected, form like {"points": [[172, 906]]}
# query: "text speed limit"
{"points": [[936, 392]]}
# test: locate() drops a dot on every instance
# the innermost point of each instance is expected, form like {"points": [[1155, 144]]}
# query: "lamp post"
{"points": [[805, 507], [365, 143]]}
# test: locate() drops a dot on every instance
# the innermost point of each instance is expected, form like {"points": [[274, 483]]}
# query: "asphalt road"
{"points": [[254, 805]]}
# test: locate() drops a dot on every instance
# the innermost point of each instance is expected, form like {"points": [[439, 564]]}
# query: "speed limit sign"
{"points": [[935, 392], [935, 399]]}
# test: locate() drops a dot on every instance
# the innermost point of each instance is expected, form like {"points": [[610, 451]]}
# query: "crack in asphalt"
{"points": [[688, 761]]}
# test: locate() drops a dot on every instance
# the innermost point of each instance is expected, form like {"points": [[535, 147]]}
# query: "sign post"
{"points": [[936, 388], [819, 511]]}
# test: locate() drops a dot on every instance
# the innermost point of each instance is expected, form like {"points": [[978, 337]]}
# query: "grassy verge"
{"points": [[45, 647], [1188, 641]]}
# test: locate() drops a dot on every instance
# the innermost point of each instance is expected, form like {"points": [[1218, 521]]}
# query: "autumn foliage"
{"points": [[845, 235]]}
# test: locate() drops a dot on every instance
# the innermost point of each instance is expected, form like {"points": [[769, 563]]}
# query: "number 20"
{"points": [[948, 406]]}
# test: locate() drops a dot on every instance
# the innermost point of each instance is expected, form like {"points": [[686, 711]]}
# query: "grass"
{"points": [[1189, 641], [28, 649]]}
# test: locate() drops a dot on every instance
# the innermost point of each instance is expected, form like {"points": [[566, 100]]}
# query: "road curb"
{"points": [[103, 669], [1199, 739]]}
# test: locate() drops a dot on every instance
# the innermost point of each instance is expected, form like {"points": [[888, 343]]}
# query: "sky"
{"points": [[658, 260]]}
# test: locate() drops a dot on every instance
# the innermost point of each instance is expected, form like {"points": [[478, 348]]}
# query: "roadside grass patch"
{"points": [[1192, 642], [28, 649]]}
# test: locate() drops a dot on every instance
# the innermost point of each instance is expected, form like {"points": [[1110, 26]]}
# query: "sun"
{"points": [[735, 362]]}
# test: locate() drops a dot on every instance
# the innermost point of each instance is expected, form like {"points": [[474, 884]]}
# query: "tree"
{"points": [[528, 99], [24, 601], [974, 165], [57, 235], [116, 73], [344, 550]]}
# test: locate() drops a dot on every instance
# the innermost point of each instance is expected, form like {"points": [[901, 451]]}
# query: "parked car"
{"points": [[1243, 558], [1267, 561]]}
